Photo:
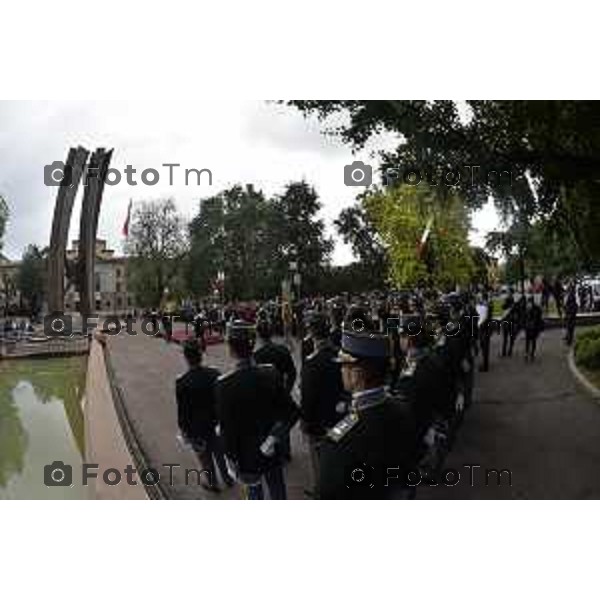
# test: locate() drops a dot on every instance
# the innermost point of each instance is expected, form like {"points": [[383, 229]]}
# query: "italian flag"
{"points": [[425, 236]]}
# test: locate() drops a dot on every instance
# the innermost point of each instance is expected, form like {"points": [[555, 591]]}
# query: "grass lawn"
{"points": [[592, 376]]}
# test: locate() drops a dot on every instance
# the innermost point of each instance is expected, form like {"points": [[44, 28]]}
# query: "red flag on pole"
{"points": [[127, 220]]}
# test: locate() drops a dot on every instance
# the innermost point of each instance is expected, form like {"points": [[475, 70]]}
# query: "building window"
{"points": [[118, 273], [118, 286], [98, 305]]}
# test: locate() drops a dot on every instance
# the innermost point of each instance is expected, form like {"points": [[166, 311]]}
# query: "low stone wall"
{"points": [[105, 441]]}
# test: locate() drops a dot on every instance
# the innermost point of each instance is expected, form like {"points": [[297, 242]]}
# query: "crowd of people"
{"points": [[380, 386], [380, 379]]}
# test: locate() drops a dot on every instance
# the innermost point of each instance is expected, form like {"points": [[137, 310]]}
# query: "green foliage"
{"points": [[3, 218], [541, 248], [31, 276], [355, 226], [252, 239], [551, 148], [587, 349], [155, 248], [401, 215]]}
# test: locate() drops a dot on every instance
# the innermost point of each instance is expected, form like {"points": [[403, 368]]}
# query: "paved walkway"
{"points": [[146, 369], [531, 419]]}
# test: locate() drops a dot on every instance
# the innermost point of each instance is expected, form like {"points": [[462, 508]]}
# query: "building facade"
{"points": [[111, 294]]}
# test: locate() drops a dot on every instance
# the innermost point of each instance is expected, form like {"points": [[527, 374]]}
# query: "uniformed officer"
{"points": [[485, 326], [323, 398], [255, 414], [278, 355], [196, 414], [371, 452]]}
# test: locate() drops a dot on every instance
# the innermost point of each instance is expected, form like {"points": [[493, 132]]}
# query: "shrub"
{"points": [[587, 352]]}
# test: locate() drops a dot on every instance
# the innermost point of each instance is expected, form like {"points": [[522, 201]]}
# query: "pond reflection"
{"points": [[41, 421]]}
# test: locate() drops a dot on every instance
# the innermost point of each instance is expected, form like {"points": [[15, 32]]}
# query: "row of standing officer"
{"points": [[405, 426], [353, 422]]}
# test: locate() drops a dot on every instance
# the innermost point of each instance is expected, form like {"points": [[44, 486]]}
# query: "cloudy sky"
{"points": [[239, 141]]}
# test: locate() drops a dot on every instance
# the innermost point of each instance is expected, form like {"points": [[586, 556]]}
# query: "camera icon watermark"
{"points": [[58, 474], [361, 475], [58, 325], [58, 174], [358, 173]]}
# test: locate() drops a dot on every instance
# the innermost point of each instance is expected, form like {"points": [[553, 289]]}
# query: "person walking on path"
{"points": [[508, 324], [484, 310], [196, 415], [570, 315], [534, 323]]}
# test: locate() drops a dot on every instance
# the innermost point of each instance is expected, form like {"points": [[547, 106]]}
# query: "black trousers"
{"points": [[570, 330], [484, 344], [531, 343], [209, 452], [509, 335]]}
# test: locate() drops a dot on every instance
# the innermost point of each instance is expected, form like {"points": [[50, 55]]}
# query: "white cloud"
{"points": [[240, 141]]}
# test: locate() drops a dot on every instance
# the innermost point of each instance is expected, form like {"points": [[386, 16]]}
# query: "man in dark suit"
{"points": [[270, 353], [570, 315], [278, 355], [323, 400], [255, 414], [196, 414], [534, 323]]}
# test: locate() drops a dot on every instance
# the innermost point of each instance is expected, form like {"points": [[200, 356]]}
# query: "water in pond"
{"points": [[41, 421]]}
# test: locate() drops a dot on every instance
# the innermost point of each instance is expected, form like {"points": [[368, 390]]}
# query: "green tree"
{"points": [[155, 248], [252, 239], [31, 277], [300, 235], [3, 219], [402, 214], [551, 149], [357, 229]]}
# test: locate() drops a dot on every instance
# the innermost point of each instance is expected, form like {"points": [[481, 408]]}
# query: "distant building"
{"points": [[111, 295]]}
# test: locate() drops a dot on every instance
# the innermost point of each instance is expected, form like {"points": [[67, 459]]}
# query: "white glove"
{"points": [[268, 446]]}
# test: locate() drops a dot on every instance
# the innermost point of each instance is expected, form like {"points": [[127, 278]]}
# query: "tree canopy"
{"points": [[252, 239], [550, 148], [3, 219], [404, 216], [31, 277], [155, 248]]}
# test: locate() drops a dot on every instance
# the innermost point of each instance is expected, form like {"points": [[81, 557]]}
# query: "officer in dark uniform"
{"points": [[307, 346], [280, 357], [508, 324], [571, 315], [196, 414], [371, 452], [425, 385], [485, 331], [255, 414], [323, 398]]}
